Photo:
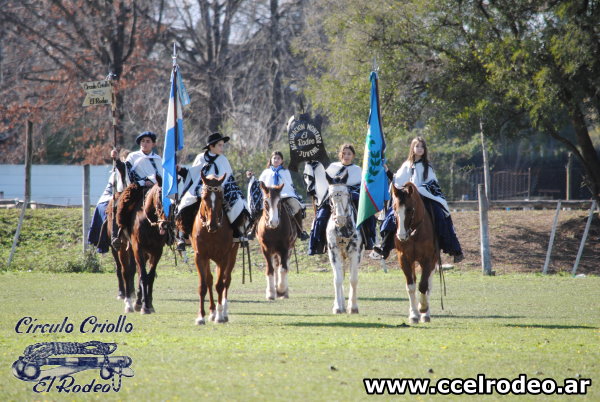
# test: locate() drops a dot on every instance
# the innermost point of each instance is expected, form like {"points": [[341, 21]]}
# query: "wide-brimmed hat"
{"points": [[148, 134], [214, 138]]}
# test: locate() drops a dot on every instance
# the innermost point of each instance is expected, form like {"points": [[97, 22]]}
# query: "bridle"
{"points": [[342, 197], [409, 217], [218, 190]]}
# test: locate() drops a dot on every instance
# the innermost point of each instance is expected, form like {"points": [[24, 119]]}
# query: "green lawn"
{"points": [[295, 349]]}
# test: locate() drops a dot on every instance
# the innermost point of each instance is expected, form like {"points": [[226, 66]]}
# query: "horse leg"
{"points": [[211, 298], [269, 271], [220, 288], [352, 296], [142, 297], [153, 261], [126, 274], [409, 273], [336, 261], [202, 266], [282, 277], [121, 295], [425, 285]]}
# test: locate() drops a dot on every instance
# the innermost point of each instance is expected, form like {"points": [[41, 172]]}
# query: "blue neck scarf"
{"points": [[276, 175]]}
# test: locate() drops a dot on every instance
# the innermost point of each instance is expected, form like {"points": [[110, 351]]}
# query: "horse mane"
{"points": [[153, 203], [128, 201]]}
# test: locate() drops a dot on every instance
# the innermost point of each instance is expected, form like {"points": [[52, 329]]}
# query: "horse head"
{"points": [[339, 197], [272, 197], [409, 210], [211, 202], [153, 208]]}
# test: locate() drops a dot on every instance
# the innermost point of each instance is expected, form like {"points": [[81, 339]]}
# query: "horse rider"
{"points": [[276, 174], [419, 171], [144, 169], [211, 161], [318, 240], [97, 234]]}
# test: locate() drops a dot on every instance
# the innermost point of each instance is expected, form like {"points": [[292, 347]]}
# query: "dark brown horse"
{"points": [[212, 239], [415, 243], [276, 234], [145, 226]]}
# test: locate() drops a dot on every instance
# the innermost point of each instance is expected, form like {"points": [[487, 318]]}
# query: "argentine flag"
{"points": [[173, 138]]}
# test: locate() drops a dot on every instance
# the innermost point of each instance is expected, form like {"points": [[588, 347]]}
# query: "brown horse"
{"points": [[212, 239], [276, 234], [415, 243], [146, 228]]}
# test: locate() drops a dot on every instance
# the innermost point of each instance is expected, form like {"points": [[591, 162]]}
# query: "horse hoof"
{"points": [[120, 297], [338, 311], [146, 311], [354, 311], [138, 307], [425, 318], [200, 321], [222, 320], [129, 310], [212, 317], [284, 295], [414, 320], [151, 309], [270, 297]]}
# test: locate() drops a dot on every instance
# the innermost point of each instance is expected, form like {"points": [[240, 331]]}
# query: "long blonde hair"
{"points": [[424, 159]]}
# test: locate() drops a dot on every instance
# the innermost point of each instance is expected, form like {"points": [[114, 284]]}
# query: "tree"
{"points": [[521, 67], [52, 46]]}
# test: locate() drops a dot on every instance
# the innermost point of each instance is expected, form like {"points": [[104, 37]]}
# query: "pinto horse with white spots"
{"points": [[344, 242], [212, 239], [415, 243], [276, 233]]}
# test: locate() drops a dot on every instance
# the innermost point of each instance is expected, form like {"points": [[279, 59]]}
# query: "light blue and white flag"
{"points": [[173, 137]]}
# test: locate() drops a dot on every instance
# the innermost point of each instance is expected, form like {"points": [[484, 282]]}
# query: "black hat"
{"points": [[214, 138], [148, 134]]}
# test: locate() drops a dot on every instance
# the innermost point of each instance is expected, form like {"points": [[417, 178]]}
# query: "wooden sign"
{"points": [[97, 93]]}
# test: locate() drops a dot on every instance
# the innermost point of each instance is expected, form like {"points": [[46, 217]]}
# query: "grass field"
{"points": [[295, 349]]}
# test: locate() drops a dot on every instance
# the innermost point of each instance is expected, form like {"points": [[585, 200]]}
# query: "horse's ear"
{"points": [[329, 179], [221, 179], [395, 191], [279, 187], [203, 176], [263, 187], [409, 188], [344, 178]]}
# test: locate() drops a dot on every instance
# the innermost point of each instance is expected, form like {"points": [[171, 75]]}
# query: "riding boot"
{"points": [[387, 244], [302, 235], [180, 241]]}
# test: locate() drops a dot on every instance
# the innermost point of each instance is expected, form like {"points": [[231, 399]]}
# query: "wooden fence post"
{"points": [[28, 152], [584, 238], [486, 261], [86, 205], [549, 252]]}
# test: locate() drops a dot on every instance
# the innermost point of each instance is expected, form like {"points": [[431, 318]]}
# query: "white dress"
{"points": [[414, 173]]}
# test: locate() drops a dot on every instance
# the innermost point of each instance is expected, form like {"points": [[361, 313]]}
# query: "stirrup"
{"points": [[303, 236], [180, 245], [381, 251], [116, 242]]}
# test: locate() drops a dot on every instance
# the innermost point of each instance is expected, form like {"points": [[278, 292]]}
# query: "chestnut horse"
{"points": [[344, 242], [212, 239], [146, 228], [276, 234], [415, 242]]}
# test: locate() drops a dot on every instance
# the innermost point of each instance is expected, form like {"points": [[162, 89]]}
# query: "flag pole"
{"points": [[175, 67]]}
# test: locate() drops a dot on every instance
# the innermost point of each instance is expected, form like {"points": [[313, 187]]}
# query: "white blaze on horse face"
{"points": [[273, 213], [340, 203], [401, 232]]}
